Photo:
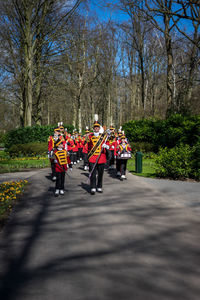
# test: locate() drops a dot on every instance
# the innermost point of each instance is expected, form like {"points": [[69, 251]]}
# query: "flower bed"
{"points": [[8, 164], [9, 191]]}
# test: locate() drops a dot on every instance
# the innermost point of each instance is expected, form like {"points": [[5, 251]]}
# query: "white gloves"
{"points": [[50, 154], [105, 146]]}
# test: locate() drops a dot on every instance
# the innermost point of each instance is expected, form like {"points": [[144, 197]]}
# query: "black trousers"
{"points": [[85, 159], [123, 165], [110, 158], [71, 155], [74, 157], [118, 164], [60, 180], [53, 172], [80, 153], [98, 170]]}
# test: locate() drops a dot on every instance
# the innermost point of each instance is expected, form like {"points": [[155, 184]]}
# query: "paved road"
{"points": [[139, 240], [19, 175]]}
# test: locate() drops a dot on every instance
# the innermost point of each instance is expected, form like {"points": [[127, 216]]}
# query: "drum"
{"points": [[124, 155]]}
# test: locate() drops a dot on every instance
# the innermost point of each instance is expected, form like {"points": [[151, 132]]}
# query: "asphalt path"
{"points": [[138, 240]]}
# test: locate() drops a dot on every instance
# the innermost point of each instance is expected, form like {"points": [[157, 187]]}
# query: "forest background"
{"points": [[123, 59]]}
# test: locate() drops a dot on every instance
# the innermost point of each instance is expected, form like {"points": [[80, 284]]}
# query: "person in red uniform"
{"points": [[118, 142], [62, 129], [75, 148], [85, 150], [80, 147], [62, 162], [69, 144], [97, 158], [51, 141], [122, 148], [111, 142]]}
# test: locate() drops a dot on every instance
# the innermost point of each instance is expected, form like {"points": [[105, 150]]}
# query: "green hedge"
{"points": [[29, 149], [144, 147], [179, 162], [195, 161], [31, 134], [164, 133], [2, 139]]}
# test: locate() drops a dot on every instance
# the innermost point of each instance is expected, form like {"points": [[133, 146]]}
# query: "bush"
{"points": [[29, 149], [2, 139], [195, 162], [142, 146], [182, 129], [174, 163], [164, 133], [30, 134]]}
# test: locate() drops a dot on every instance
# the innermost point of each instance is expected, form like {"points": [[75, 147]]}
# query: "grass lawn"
{"points": [[148, 167], [19, 164]]}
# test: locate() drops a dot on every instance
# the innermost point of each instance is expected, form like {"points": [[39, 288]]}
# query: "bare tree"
{"points": [[26, 28]]}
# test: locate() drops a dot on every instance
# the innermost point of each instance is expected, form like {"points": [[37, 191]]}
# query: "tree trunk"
{"points": [[193, 66], [28, 69], [28, 88], [74, 114], [142, 80], [79, 123], [168, 44], [37, 95], [48, 113], [145, 96], [108, 109]]}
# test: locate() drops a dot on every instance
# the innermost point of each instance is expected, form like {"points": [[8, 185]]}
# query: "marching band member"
{"points": [[118, 141], [62, 161], [123, 152], [80, 147], [61, 127], [51, 141], [111, 142], [70, 144], [97, 157], [75, 147], [85, 150]]}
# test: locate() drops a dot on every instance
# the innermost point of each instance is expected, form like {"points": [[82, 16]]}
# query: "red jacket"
{"points": [[111, 142], [101, 153], [61, 164], [70, 144], [85, 145], [50, 143], [80, 144], [75, 146]]}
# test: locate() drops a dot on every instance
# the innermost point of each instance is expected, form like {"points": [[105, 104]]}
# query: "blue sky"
{"points": [[104, 14]]}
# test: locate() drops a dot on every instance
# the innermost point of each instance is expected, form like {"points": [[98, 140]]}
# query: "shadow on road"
{"points": [[125, 245]]}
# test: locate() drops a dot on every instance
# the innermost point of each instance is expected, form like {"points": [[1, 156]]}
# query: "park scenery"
{"points": [[170, 149], [131, 68]]}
